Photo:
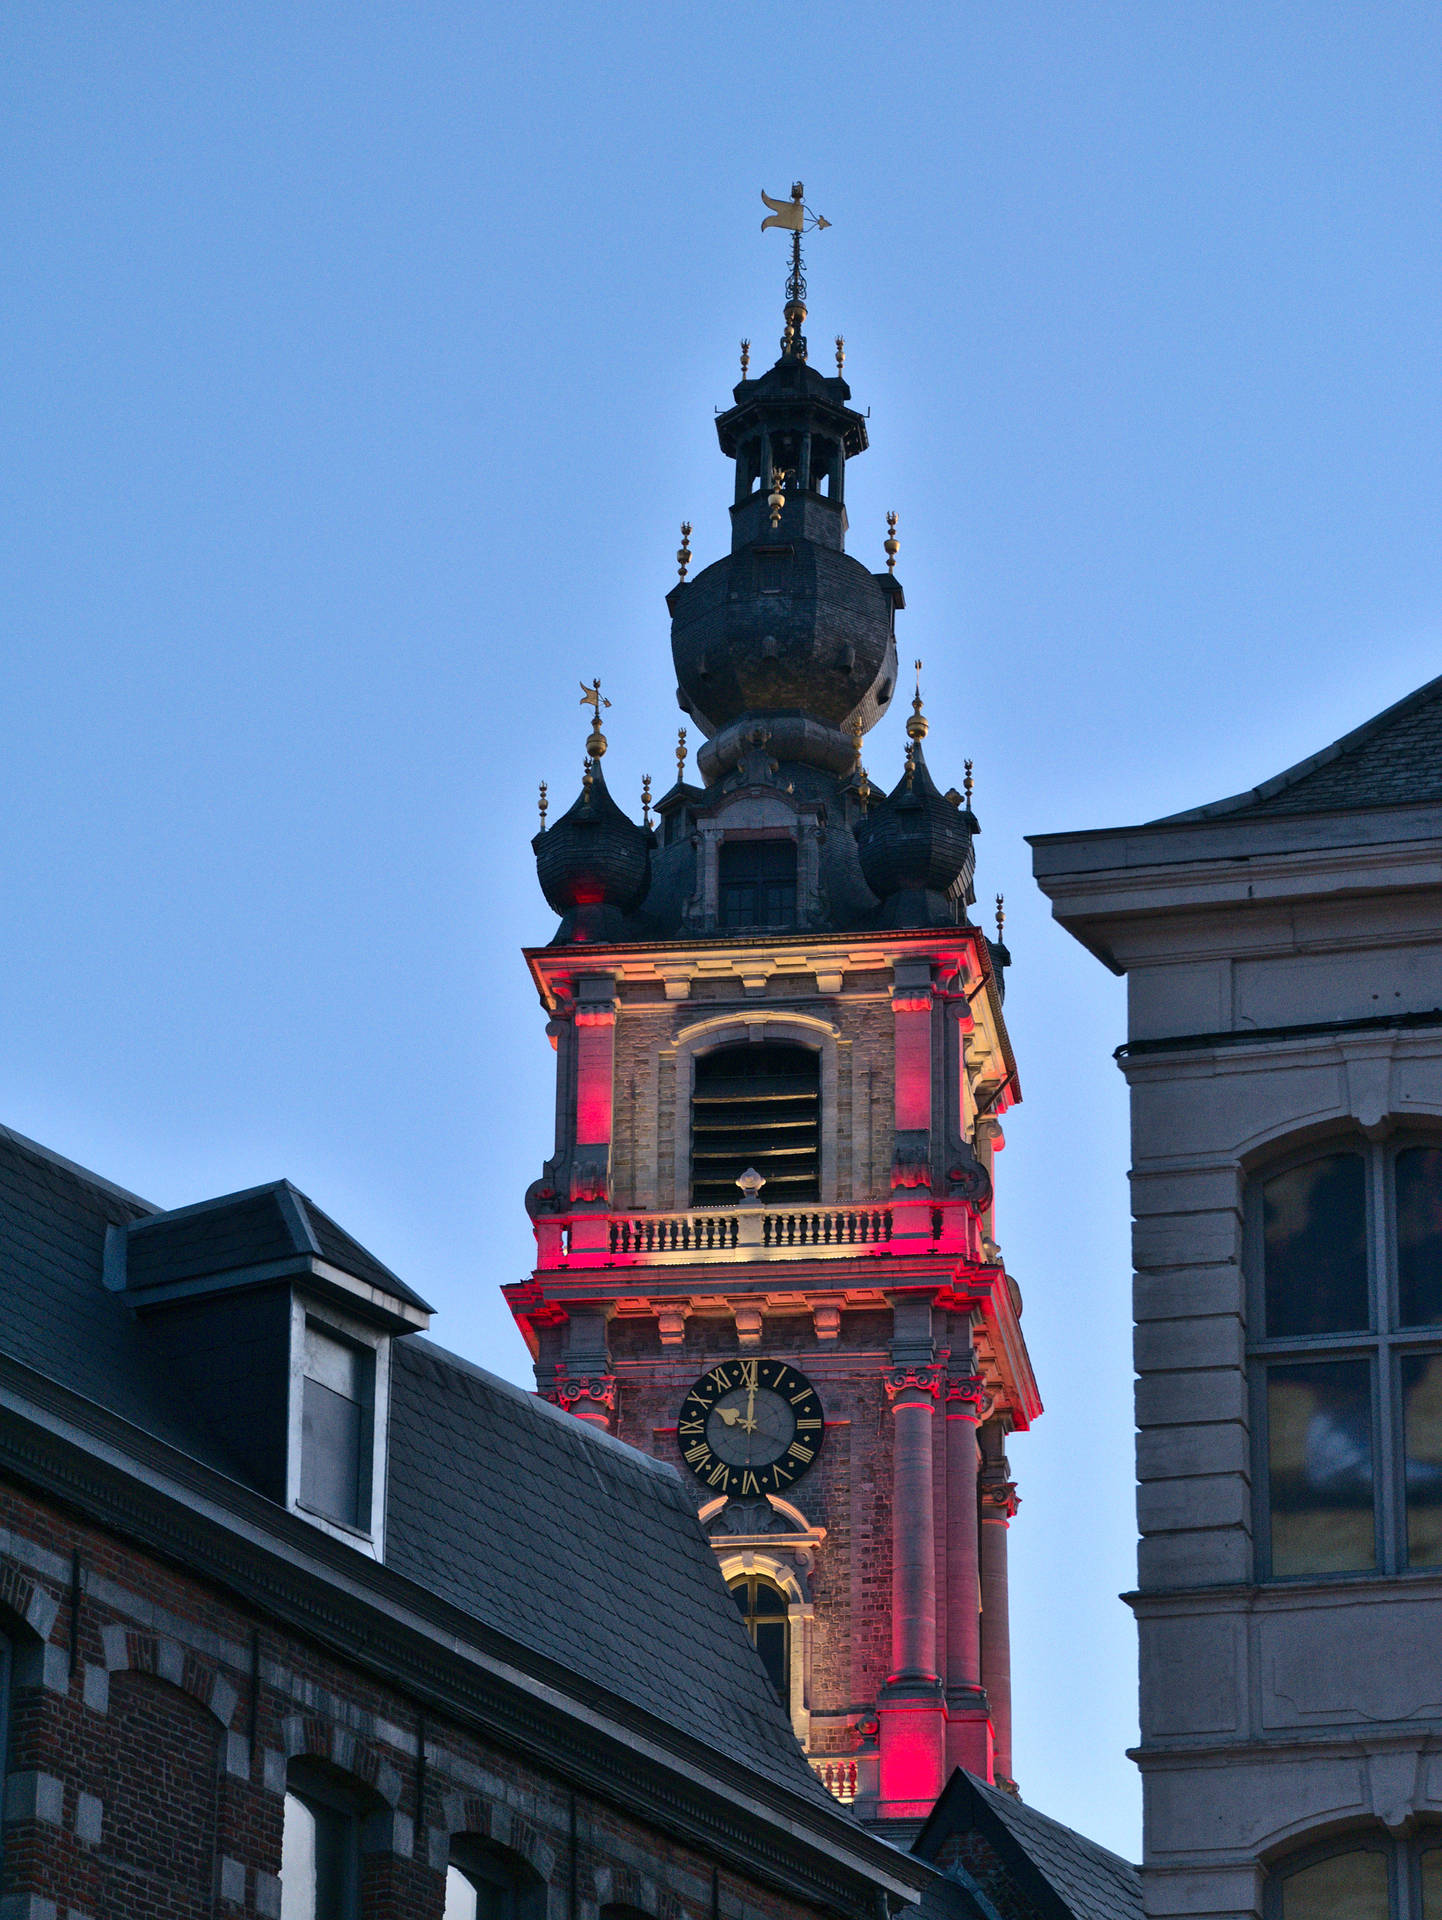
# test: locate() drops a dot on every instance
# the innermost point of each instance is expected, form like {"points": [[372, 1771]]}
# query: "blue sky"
{"points": [[359, 366]]}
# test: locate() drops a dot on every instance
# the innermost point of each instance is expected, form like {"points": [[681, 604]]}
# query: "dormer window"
{"points": [[756, 883], [337, 1421]]}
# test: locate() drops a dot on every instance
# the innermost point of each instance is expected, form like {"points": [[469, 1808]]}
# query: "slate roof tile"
{"points": [[1394, 759]]}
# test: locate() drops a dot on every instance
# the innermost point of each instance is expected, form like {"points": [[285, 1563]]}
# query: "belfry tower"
{"points": [[765, 1242]]}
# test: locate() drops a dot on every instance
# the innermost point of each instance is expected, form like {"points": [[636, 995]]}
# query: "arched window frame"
{"points": [[1382, 1345], [507, 1885], [327, 1792], [743, 1560], [1404, 1869], [797, 1029]]}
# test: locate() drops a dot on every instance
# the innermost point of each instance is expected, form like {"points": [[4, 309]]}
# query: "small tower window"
{"points": [[756, 883], [763, 1608], [756, 1106]]}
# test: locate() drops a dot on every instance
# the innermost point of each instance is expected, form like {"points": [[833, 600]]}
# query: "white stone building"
{"points": [[1283, 954]]}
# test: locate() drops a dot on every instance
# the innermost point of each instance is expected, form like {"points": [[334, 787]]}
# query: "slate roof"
{"points": [[580, 1546], [544, 1529], [255, 1228], [1065, 1875], [1392, 760]]}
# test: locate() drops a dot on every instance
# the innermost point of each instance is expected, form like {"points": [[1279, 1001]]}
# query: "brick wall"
{"points": [[149, 1742]]}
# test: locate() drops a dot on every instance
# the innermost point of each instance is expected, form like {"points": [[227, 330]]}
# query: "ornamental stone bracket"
{"points": [[915, 1380], [998, 1492], [599, 1388]]}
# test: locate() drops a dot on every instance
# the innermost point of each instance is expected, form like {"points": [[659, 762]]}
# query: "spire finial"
{"points": [[910, 764], [587, 778], [863, 785], [792, 216], [916, 727], [840, 353], [683, 552], [745, 359], [544, 806], [891, 546], [1000, 918], [646, 798], [966, 784], [593, 698], [680, 755]]}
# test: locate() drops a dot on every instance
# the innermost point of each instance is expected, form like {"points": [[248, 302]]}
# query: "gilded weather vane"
{"points": [[793, 216], [593, 698]]}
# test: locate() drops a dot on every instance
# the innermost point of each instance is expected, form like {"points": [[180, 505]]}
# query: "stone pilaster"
{"points": [[998, 1507], [968, 1720]]}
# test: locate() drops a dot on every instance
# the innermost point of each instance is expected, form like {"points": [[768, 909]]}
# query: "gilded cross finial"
{"points": [[891, 546], [1000, 918], [966, 784], [683, 552], [593, 698], [745, 359], [776, 499], [680, 755], [544, 806], [840, 353], [646, 798], [916, 726]]}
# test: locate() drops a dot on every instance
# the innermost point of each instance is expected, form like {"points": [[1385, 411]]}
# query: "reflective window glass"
{"points": [[1431, 1877], [1421, 1375], [1319, 1445], [461, 1903], [317, 1861], [763, 1606], [336, 1398], [1418, 1191], [1350, 1886], [1314, 1220]]}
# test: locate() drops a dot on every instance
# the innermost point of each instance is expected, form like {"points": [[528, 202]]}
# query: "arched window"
{"points": [[763, 1608], [320, 1846], [487, 1882], [756, 1105], [1345, 1257], [1369, 1879]]}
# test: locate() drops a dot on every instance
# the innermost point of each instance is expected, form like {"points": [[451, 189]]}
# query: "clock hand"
{"points": [[730, 1415]]}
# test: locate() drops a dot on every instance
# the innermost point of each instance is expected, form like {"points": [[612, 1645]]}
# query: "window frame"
{"points": [[480, 1860], [314, 1790], [1382, 1345], [1404, 1867], [333, 1320]]}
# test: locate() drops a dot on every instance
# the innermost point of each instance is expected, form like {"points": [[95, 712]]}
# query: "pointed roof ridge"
{"points": [[1402, 767]]}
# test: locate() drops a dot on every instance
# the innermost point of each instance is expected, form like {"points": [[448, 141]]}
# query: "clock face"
{"points": [[750, 1426]]}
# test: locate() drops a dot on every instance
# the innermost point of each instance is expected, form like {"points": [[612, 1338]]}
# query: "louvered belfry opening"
{"points": [[756, 1105]]}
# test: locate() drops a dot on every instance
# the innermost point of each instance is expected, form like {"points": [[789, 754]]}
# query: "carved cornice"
{"points": [[911, 1002], [595, 1016]]}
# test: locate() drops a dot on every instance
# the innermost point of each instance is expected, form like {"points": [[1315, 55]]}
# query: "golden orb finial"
{"points": [[587, 778], [646, 798], [683, 552], [745, 359], [680, 755], [891, 546], [1000, 918], [544, 806], [916, 726], [966, 784], [840, 353]]}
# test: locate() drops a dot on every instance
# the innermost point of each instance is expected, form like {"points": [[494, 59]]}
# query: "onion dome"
{"points": [[594, 865], [787, 629], [916, 850]]}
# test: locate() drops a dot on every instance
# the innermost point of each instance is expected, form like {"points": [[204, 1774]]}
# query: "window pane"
{"points": [[1353, 1886], [769, 1599], [297, 1862], [1419, 1236], [1319, 1435], [334, 1863], [1432, 1884], [1422, 1431], [330, 1453], [1315, 1224], [460, 1896], [771, 1645]]}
